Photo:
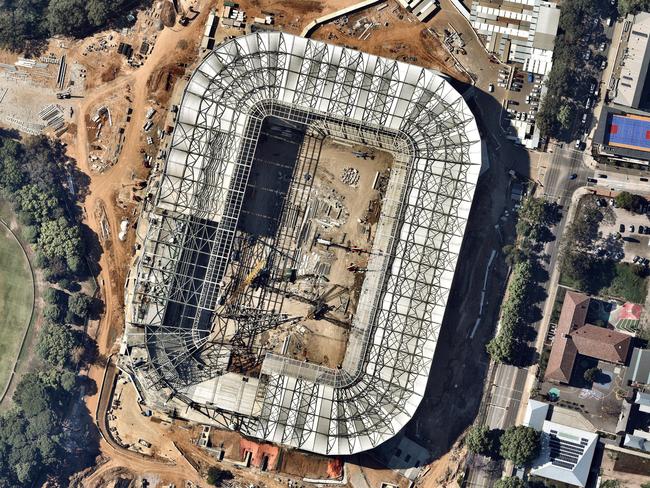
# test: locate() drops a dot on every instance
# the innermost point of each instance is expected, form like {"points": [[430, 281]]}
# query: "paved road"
{"points": [[508, 382], [557, 169]]}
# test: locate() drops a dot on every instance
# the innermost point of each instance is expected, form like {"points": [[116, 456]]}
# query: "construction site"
{"points": [[294, 273], [291, 273]]}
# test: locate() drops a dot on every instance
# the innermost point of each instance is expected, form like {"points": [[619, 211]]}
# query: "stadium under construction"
{"points": [[299, 253]]}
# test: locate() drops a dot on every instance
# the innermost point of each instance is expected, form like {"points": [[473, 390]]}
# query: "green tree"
{"points": [[79, 305], [629, 201], [520, 444], [633, 6], [478, 440], [59, 239], [510, 482], [67, 17], [565, 116], [53, 312], [99, 10], [53, 296], [11, 174], [40, 205], [610, 484], [55, 345], [591, 374]]}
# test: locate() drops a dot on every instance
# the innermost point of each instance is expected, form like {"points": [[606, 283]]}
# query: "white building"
{"points": [[521, 31], [566, 452], [635, 63]]}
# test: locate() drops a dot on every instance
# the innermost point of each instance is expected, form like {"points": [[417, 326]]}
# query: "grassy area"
{"points": [[16, 301], [627, 284], [624, 281]]}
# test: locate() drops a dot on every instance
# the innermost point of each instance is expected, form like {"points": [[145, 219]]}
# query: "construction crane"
{"points": [[259, 266]]}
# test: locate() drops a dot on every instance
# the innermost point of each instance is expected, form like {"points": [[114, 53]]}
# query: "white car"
{"points": [[491, 87]]}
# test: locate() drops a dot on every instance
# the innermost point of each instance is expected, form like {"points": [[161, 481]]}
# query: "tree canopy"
{"points": [[25, 21], [478, 440], [520, 444], [630, 201], [633, 6], [31, 435], [510, 482], [56, 344], [60, 239]]}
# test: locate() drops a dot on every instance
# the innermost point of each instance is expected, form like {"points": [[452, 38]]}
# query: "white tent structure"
{"points": [[176, 317]]}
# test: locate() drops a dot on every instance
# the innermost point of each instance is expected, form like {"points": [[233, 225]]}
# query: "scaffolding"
{"points": [[209, 277]]}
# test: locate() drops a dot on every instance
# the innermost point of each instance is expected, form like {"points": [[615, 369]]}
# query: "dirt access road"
{"points": [[103, 193]]}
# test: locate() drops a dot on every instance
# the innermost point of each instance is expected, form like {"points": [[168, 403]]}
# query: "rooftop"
{"points": [[639, 369], [635, 67], [574, 337], [566, 454], [522, 31]]}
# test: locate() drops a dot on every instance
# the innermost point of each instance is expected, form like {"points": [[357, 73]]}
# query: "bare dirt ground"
{"points": [[611, 460], [398, 36], [293, 15]]}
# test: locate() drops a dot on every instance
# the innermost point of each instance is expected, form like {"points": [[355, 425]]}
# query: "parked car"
{"points": [[641, 229], [621, 228], [491, 87], [631, 228], [636, 259]]}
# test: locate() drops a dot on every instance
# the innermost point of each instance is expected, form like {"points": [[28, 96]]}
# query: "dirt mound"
{"points": [[161, 82], [168, 14]]}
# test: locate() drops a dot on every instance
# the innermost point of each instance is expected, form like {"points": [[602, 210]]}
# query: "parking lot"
{"points": [[634, 230], [523, 91]]}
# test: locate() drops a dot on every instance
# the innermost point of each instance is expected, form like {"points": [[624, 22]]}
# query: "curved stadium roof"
{"points": [[409, 110]]}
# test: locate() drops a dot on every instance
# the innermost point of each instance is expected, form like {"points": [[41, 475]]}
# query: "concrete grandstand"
{"points": [[238, 262]]}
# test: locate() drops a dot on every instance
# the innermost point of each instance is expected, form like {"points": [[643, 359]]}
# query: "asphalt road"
{"points": [[558, 169], [507, 384]]}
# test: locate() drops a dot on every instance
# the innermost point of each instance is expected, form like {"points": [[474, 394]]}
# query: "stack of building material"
{"points": [[52, 115]]}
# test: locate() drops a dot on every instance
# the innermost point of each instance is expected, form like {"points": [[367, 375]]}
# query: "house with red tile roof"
{"points": [[574, 336]]}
